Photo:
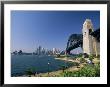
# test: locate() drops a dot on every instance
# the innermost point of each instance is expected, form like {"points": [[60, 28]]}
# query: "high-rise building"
{"points": [[53, 50], [43, 51]]}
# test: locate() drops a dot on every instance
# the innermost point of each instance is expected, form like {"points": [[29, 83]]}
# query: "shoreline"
{"points": [[68, 60], [58, 72]]}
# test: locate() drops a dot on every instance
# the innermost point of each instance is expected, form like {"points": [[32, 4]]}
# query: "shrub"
{"points": [[97, 69], [82, 60], [76, 64], [85, 55], [98, 56], [63, 67], [87, 71], [30, 71], [91, 57], [58, 55]]}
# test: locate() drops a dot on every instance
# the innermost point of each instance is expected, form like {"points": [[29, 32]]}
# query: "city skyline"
{"points": [[49, 29]]}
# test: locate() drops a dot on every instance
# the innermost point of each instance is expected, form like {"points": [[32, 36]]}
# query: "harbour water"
{"points": [[41, 64]]}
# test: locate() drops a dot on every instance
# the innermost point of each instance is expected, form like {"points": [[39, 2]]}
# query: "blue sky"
{"points": [[49, 29]]}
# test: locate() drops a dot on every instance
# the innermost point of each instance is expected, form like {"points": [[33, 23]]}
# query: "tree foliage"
{"points": [[87, 71]]}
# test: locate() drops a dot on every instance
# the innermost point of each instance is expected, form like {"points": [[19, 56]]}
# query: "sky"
{"points": [[49, 29]]}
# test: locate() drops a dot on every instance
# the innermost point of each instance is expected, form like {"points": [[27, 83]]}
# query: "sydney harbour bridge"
{"points": [[76, 40]]}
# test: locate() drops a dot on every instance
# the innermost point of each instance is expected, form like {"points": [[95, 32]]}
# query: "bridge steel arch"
{"points": [[76, 40]]}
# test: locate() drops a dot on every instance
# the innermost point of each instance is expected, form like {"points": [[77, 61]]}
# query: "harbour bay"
{"points": [[21, 63]]}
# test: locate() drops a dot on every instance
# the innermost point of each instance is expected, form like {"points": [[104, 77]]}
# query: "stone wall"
{"points": [[90, 44]]}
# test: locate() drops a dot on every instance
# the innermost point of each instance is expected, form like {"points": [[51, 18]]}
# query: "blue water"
{"points": [[21, 63]]}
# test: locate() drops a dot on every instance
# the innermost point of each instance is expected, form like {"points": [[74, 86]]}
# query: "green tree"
{"points": [[82, 60], [30, 71], [87, 71], [91, 57], [63, 67]]}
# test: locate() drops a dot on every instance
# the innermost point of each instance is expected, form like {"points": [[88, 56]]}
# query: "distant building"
{"points": [[53, 51]]}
